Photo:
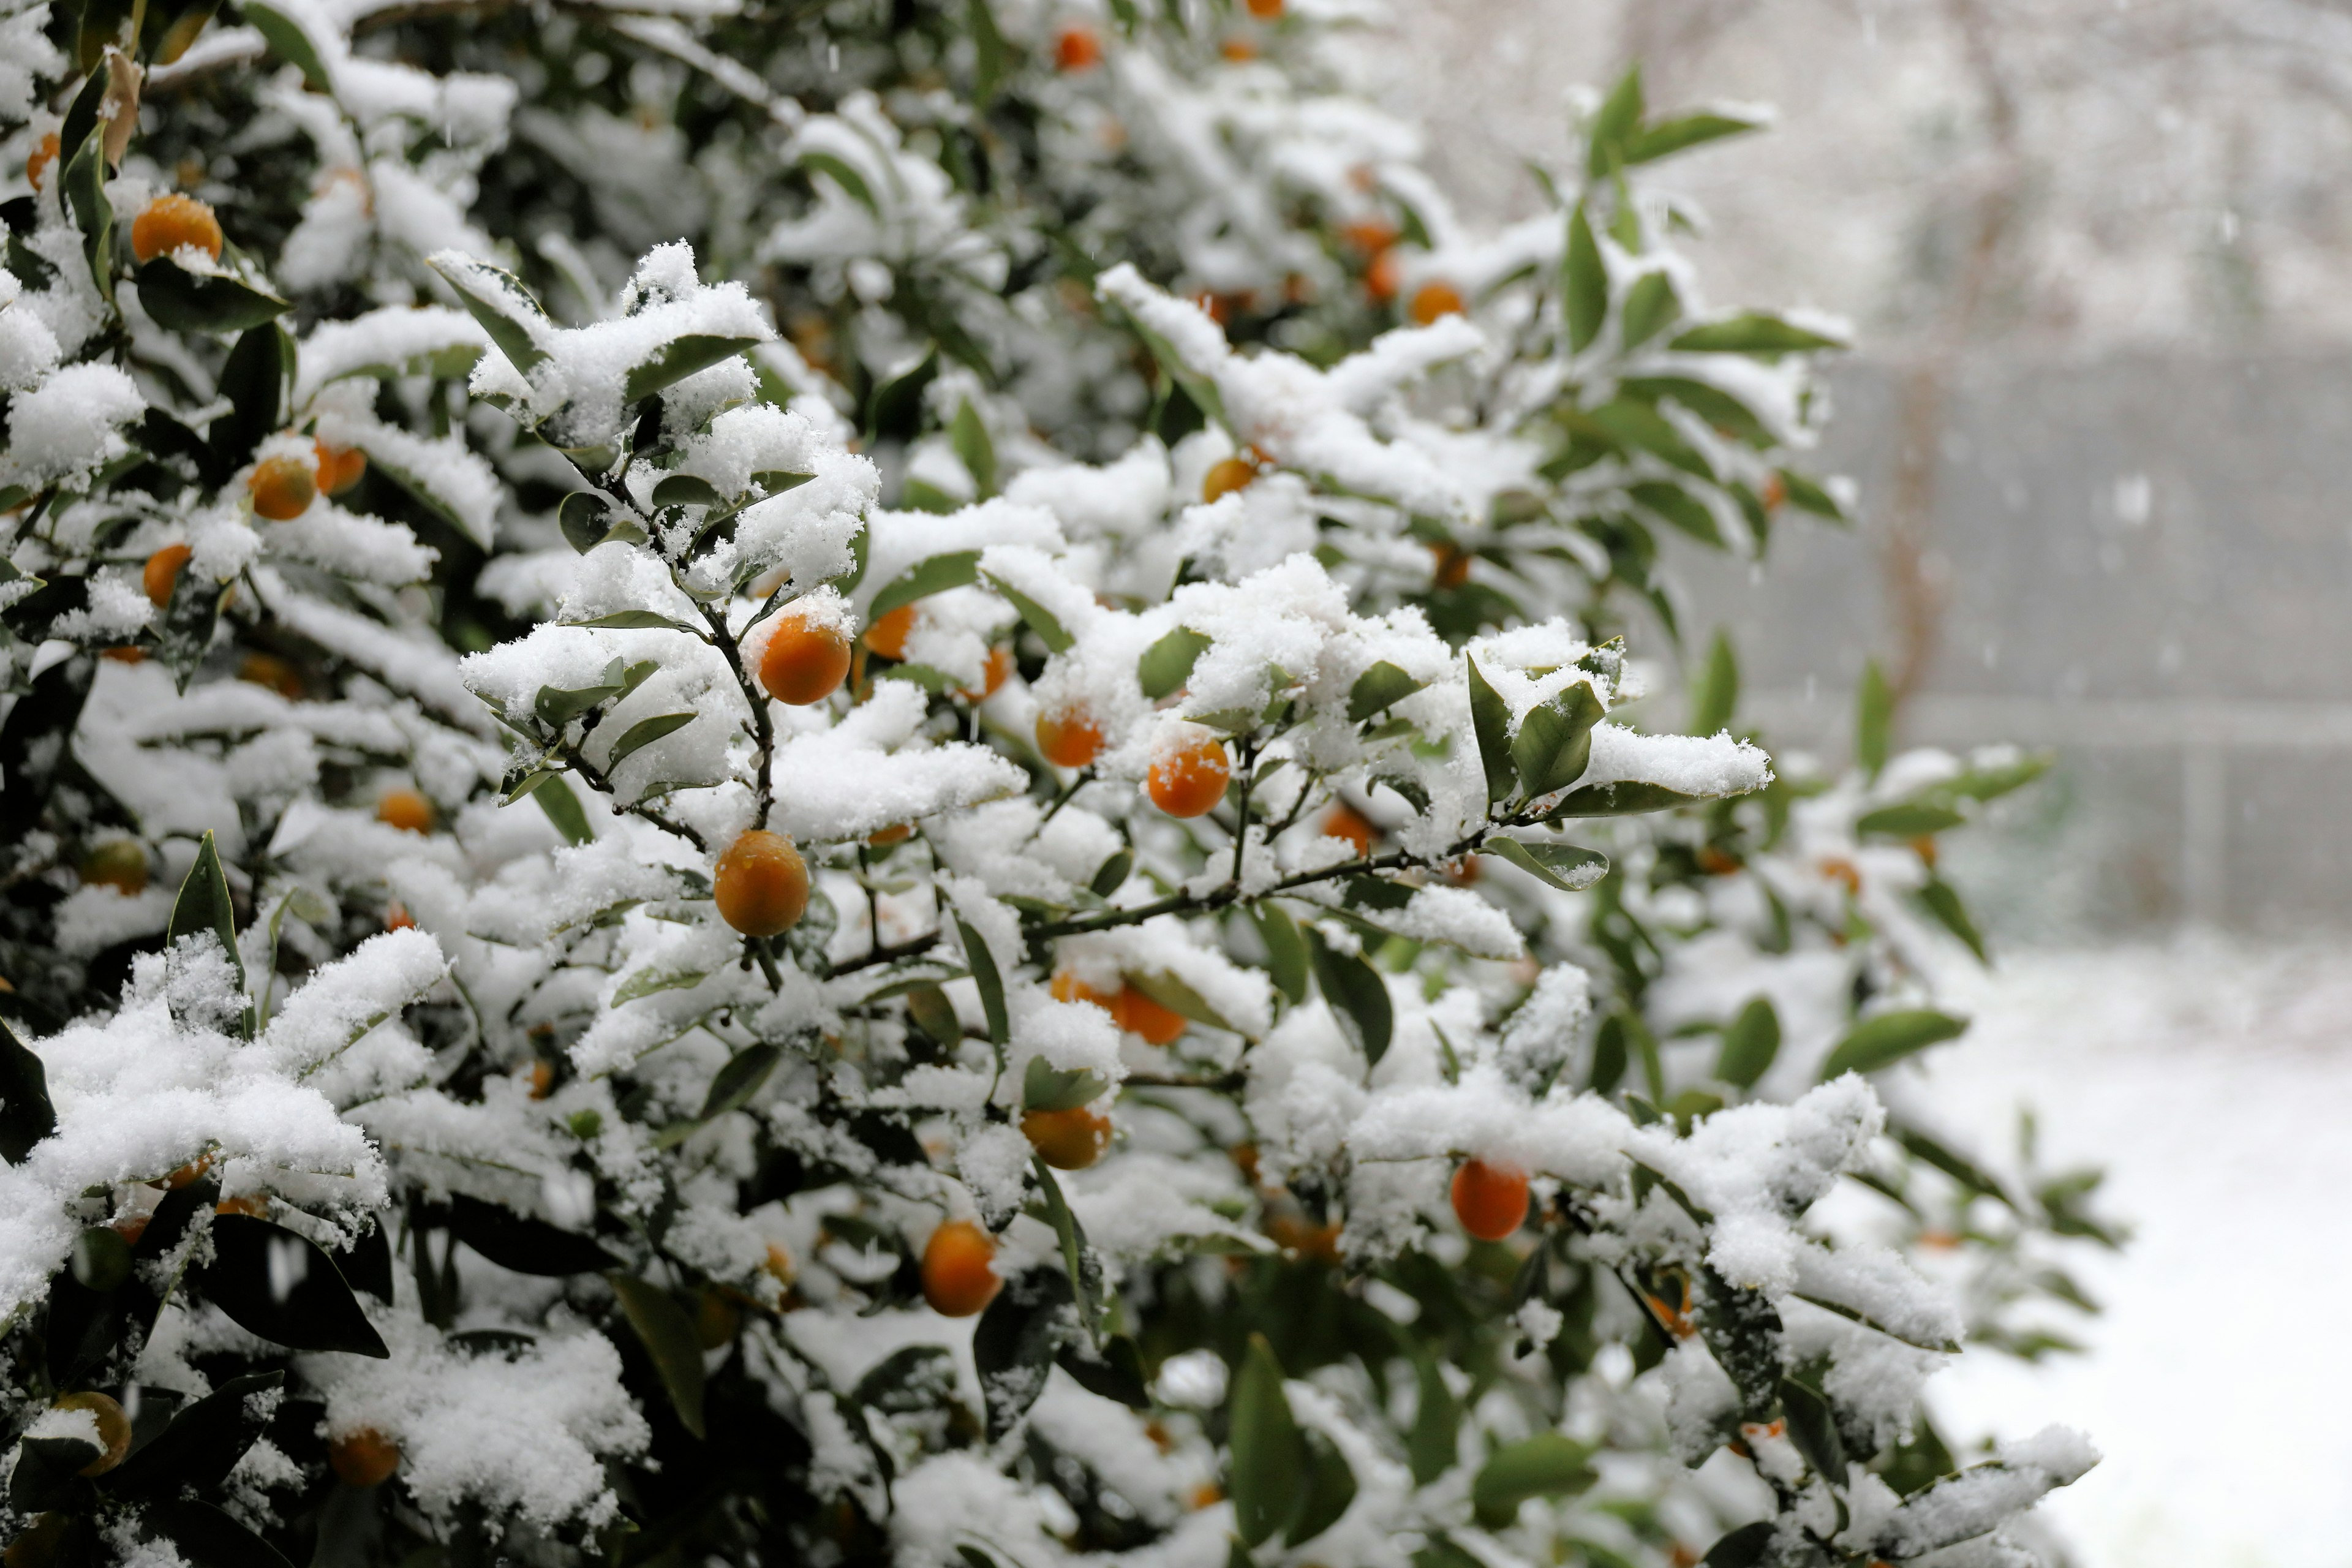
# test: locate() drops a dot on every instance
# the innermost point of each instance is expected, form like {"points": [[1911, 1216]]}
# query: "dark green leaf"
{"points": [[1882, 1041], [1813, 1429], [204, 906], [1677, 506], [1714, 695], [1549, 1464], [1286, 960], [85, 192], [667, 1333], [289, 42], [101, 1259], [254, 381], [940, 573], [988, 53], [1743, 1548], [677, 359], [1330, 1487], [1434, 1443], [277, 1283], [1112, 874], [733, 1085], [506, 310], [1555, 739], [1941, 900], [184, 302], [26, 1114], [1042, 621], [1015, 1342], [1752, 333], [686, 489], [636, 621], [1564, 866], [1907, 819], [1614, 125], [1806, 495], [972, 447], [933, 1014], [1490, 721], [1584, 281], [1379, 688], [1115, 1372], [206, 1536], [563, 809], [1358, 997], [644, 733], [895, 411], [1267, 1475], [1628, 798], [1750, 1042], [1047, 1087], [844, 174], [1650, 304], [1874, 720], [1168, 663], [521, 1244], [1178, 997], [587, 520], [557, 705], [986, 977], [1670, 136], [201, 1446], [1086, 1278]]}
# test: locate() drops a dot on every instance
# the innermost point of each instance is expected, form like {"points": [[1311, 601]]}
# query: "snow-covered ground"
{"points": [[2215, 1082]]}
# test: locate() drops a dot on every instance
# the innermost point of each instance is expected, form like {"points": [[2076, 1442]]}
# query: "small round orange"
{"points": [[161, 573], [119, 863], [1383, 277], [126, 654], [779, 1266], [1068, 1140], [1225, 477], [761, 884], [993, 670], [888, 635], [1453, 567], [1265, 10], [1435, 298], [268, 669], [805, 661], [1139, 1015], [253, 1204], [398, 917], [130, 1227], [1068, 987], [188, 1173], [960, 1270], [37, 167], [1188, 778], [1344, 821], [406, 809], [283, 487], [339, 467], [364, 1458], [173, 223], [1490, 1200], [1775, 494], [1370, 235], [897, 833], [1238, 50], [1069, 737], [1077, 48], [113, 1428]]}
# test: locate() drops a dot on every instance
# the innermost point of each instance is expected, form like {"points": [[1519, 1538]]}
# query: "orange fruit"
{"points": [[283, 487], [119, 863], [1068, 987], [804, 662], [1839, 870], [406, 809], [1344, 821], [1067, 1140], [339, 467], [1240, 51], [1265, 10], [1226, 476], [1077, 48], [716, 1318], [1069, 737], [174, 221], [131, 1228], [1452, 565], [1188, 779], [1370, 235], [256, 1205], [398, 917], [1381, 279], [960, 1270], [43, 156], [761, 884], [897, 833], [997, 665], [268, 669], [1139, 1015], [888, 635], [364, 1458], [1491, 1201], [113, 1428], [1923, 847], [1714, 861], [542, 1077], [1291, 1230], [1776, 492], [1435, 298], [125, 655], [188, 1173], [779, 1263], [161, 573]]}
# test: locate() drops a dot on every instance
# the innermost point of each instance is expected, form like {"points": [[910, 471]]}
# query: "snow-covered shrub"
{"points": [[670, 897]]}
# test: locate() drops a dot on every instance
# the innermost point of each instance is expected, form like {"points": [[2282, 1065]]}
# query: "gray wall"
{"points": [[2150, 566]]}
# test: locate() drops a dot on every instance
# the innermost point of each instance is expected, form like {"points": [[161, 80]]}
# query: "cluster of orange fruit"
{"points": [[1375, 239]]}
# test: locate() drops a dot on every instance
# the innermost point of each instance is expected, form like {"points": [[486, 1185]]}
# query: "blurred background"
{"points": [[2097, 256]]}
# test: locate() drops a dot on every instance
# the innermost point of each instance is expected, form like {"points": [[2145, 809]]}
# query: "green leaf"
{"points": [[1743, 1548], [1490, 721], [588, 520], [25, 1115], [184, 302], [1874, 720], [933, 1014], [841, 172], [101, 1259], [1667, 137], [638, 621], [1907, 819], [1435, 1442], [989, 54], [644, 733], [1584, 283], [1677, 506], [1168, 663], [1749, 1043], [985, 975], [734, 1084], [204, 906], [1614, 125], [1330, 1487], [1941, 900], [203, 1441], [1628, 422], [1555, 739], [1115, 1370], [973, 448], [1650, 304], [668, 1337], [648, 981], [1714, 695], [1048, 1088], [85, 193], [557, 705], [289, 42], [1884, 1040], [1286, 960], [497, 300], [1813, 1429], [1991, 783], [254, 380], [562, 808], [279, 1284], [895, 411], [1084, 1280], [1752, 333], [521, 1244], [209, 1538], [1014, 1343], [686, 489], [1268, 1473], [1564, 866], [1049, 629], [677, 359], [1358, 997], [1378, 690], [1178, 997], [1808, 496], [1549, 1464], [936, 575]]}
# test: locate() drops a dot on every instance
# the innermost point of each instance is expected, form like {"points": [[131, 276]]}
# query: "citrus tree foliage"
{"points": [[669, 898]]}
